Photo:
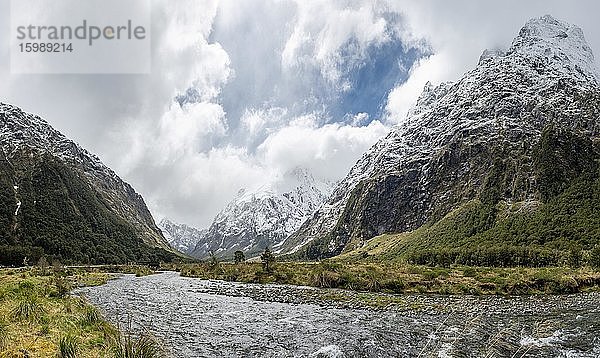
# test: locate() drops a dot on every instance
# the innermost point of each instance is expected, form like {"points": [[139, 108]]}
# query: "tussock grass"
{"points": [[39, 316], [68, 347], [143, 346], [91, 317], [28, 308], [4, 334], [396, 277]]}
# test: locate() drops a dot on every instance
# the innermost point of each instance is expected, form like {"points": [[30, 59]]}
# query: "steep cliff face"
{"points": [[63, 202], [264, 217], [518, 128]]}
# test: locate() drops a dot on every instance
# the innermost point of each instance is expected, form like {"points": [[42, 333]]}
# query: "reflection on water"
{"points": [[195, 319]]}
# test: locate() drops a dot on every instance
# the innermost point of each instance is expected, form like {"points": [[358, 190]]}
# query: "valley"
{"points": [[472, 229]]}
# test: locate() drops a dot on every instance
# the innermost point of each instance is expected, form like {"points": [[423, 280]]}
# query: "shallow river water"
{"points": [[199, 318]]}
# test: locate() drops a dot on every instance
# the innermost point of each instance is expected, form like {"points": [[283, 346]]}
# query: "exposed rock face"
{"points": [[477, 138], [264, 217], [36, 158], [181, 237]]}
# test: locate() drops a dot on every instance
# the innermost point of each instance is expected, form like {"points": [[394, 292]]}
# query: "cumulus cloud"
{"points": [[328, 151], [193, 150], [243, 91], [323, 28]]}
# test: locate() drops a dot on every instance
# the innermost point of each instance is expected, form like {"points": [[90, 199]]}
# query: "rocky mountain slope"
{"points": [[181, 237], [60, 200], [263, 217], [517, 131]]}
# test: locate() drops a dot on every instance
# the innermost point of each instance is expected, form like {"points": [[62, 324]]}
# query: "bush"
{"points": [[239, 257], [326, 279], [62, 286], [575, 256], [595, 257], [268, 260]]}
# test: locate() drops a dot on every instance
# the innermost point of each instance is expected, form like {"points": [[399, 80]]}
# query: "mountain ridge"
{"points": [[37, 158], [464, 140]]}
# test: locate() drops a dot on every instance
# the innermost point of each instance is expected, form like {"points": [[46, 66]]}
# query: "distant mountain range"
{"points": [[255, 219], [58, 200], [181, 237]]}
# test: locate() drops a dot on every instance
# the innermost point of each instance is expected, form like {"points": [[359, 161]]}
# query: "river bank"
{"points": [[403, 278], [40, 318]]}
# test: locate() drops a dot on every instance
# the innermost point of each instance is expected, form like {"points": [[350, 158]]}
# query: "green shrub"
{"points": [[469, 272], [326, 279], [61, 286], [594, 260]]}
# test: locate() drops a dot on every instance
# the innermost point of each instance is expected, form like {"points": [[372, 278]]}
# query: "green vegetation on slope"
{"points": [[62, 217], [557, 224], [563, 231]]}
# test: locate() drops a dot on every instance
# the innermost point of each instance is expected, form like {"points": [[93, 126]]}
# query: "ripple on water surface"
{"points": [[198, 318]]}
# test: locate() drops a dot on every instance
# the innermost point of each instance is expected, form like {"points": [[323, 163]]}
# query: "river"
{"points": [[200, 318]]}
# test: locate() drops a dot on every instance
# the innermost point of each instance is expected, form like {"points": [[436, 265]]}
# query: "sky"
{"points": [[243, 91]]}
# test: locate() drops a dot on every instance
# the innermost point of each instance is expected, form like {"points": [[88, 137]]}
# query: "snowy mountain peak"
{"points": [[558, 42], [265, 216], [429, 96], [491, 53], [455, 133], [180, 236]]}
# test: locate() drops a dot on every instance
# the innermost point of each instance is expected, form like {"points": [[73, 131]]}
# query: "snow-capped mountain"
{"points": [[265, 216], [181, 236], [60, 190], [480, 137]]}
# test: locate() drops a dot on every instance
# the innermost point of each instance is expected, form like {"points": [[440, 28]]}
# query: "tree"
{"points": [[239, 257], [267, 259], [43, 264], [595, 257], [213, 261], [575, 255]]}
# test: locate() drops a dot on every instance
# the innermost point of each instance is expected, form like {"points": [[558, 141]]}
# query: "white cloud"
{"points": [[432, 69], [257, 122], [323, 28], [328, 150]]}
